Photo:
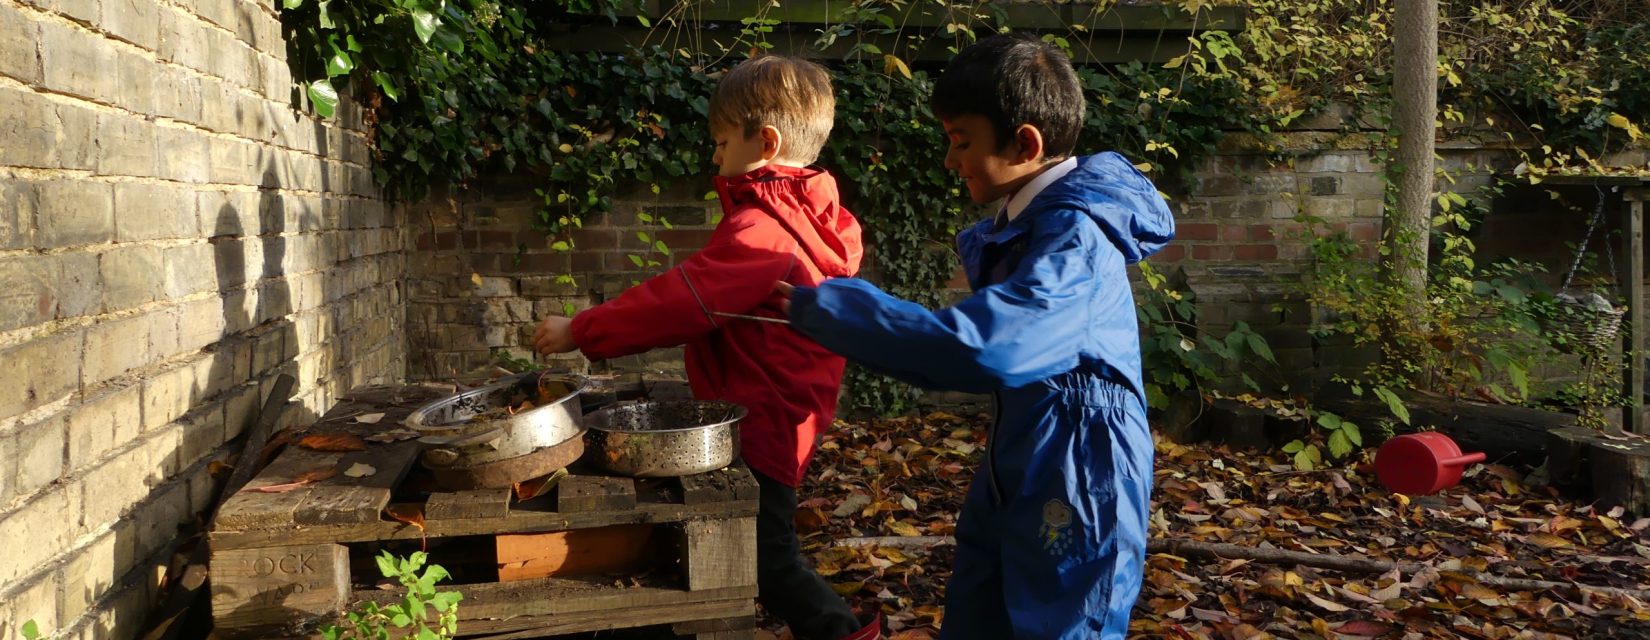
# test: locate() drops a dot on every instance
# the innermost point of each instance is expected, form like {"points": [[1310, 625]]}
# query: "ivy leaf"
{"points": [[386, 85], [340, 63], [659, 245], [449, 40], [637, 260], [31, 630], [424, 24], [292, 4], [324, 98], [1258, 345], [645, 22]]}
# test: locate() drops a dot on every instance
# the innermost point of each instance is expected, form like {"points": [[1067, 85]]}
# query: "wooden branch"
{"points": [[897, 542], [1216, 550]]}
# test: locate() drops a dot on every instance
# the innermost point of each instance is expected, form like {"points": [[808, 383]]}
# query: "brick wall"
{"points": [[172, 235], [481, 271]]}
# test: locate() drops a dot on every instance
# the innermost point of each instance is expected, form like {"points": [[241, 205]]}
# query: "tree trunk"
{"points": [[1415, 112]]}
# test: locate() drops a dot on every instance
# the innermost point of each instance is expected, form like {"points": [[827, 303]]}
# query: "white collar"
{"points": [[1018, 202]]}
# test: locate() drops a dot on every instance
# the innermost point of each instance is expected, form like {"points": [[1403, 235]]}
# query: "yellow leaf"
{"points": [[904, 529], [1548, 541], [476, 278], [1174, 62], [1618, 121], [892, 62]]}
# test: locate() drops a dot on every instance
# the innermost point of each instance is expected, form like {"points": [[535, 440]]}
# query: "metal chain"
{"points": [[1581, 251]]}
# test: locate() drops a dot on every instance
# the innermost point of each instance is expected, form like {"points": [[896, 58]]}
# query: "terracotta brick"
{"points": [[1211, 252], [1234, 232], [1171, 253], [585, 261], [1198, 231], [1255, 252], [1261, 232], [596, 239]]}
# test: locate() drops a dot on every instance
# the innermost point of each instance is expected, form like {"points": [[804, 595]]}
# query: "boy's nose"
{"points": [[951, 160]]}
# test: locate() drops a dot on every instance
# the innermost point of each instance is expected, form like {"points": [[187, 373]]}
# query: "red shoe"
{"points": [[871, 631]]}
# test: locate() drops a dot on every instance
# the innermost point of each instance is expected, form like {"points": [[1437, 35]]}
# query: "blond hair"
{"points": [[791, 95]]}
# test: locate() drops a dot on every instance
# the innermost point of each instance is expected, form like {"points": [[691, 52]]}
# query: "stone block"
{"points": [[230, 213], [132, 276], [149, 211], [17, 213], [40, 521], [182, 39], [103, 424], [35, 598], [126, 146], [135, 21], [115, 347], [93, 572], [28, 291], [79, 284], [137, 82], [177, 94], [113, 486], [187, 157], [76, 138], [189, 271], [41, 450], [77, 62], [166, 396], [233, 61], [82, 11], [19, 53], [44, 370], [29, 124]]}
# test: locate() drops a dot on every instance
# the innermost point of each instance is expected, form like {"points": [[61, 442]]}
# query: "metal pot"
{"points": [[663, 438], [467, 429]]}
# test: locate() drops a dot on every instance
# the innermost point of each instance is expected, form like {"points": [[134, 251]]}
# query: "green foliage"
{"points": [[1175, 357], [31, 631], [479, 86], [409, 617]]}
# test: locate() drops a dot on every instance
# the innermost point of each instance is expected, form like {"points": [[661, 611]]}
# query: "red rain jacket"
{"points": [[779, 223]]}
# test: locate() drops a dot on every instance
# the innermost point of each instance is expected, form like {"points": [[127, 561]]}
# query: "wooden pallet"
{"points": [[593, 553]]}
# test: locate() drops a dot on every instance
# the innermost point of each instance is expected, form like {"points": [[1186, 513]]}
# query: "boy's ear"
{"points": [[771, 142], [1029, 140]]}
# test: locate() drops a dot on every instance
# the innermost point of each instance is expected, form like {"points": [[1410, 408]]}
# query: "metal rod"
{"points": [[742, 316]]}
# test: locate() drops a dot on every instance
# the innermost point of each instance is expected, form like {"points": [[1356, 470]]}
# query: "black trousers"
{"points": [[786, 585]]}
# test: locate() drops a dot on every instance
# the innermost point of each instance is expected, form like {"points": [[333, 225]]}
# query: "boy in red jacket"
{"points": [[781, 221]]}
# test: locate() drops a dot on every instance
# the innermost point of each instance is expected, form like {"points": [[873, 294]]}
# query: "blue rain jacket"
{"points": [[1052, 536]]}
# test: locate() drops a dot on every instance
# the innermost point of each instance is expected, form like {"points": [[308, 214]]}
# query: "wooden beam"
{"points": [[518, 521], [720, 553], [522, 628], [481, 503], [1633, 238], [561, 596], [583, 494], [254, 588]]}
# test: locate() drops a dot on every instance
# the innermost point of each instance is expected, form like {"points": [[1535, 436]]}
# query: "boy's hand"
{"points": [[554, 335], [784, 289]]}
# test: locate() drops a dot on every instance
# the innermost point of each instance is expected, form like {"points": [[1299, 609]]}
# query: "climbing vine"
{"points": [[460, 87]]}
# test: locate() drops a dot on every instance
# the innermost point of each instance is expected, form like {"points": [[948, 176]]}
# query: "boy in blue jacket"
{"points": [[1051, 540]]}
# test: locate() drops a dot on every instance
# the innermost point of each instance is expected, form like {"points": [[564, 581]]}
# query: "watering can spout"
{"points": [[1465, 460]]}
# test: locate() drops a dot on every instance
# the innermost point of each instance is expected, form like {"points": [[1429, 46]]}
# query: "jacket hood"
{"points": [[804, 200], [1126, 205]]}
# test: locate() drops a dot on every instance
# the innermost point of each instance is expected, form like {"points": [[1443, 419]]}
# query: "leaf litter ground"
{"points": [[901, 481]]}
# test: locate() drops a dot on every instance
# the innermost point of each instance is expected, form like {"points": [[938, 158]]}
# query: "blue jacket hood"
{"points": [[1126, 205]]}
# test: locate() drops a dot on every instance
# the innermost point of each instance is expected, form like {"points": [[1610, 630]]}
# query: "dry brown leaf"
{"points": [[1548, 541], [1328, 605], [1364, 628], [333, 442], [370, 418]]}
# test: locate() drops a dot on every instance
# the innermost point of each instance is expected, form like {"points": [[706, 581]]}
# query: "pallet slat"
{"points": [[261, 587], [616, 549], [720, 553], [480, 503], [582, 494], [341, 499]]}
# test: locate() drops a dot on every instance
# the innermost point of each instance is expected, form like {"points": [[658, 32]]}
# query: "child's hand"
{"points": [[554, 335], [784, 289]]}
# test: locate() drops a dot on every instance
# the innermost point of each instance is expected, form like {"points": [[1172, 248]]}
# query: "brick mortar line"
{"points": [[172, 243], [305, 119], [57, 326], [81, 543], [37, 174]]}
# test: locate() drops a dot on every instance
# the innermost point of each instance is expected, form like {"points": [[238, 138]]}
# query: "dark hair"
{"points": [[1011, 80]]}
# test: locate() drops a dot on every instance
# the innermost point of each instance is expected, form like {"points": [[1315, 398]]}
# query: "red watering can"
{"points": [[1418, 464]]}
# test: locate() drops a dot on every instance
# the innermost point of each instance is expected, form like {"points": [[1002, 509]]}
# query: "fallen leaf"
{"points": [[334, 442], [1364, 628], [412, 514], [854, 503], [395, 435], [360, 470], [1333, 607], [370, 418], [1548, 541], [1472, 505], [302, 479], [476, 278]]}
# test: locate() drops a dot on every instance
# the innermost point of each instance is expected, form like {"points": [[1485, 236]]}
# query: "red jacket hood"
{"points": [[804, 200]]}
